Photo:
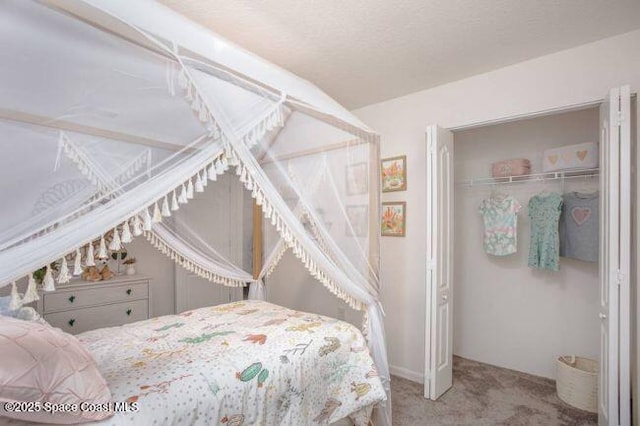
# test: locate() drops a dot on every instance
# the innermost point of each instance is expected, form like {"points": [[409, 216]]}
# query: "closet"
{"points": [[506, 313], [499, 310]]}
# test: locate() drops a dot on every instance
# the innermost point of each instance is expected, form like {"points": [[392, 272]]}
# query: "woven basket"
{"points": [[577, 382]]}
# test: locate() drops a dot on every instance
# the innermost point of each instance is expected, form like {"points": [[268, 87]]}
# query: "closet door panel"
{"points": [[439, 327], [624, 322], [615, 228], [608, 250]]}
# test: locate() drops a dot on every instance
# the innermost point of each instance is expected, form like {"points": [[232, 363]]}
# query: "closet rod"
{"points": [[532, 178]]}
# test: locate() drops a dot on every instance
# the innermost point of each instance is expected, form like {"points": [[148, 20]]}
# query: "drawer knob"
{"points": [[71, 322], [129, 291], [71, 298], [128, 311]]}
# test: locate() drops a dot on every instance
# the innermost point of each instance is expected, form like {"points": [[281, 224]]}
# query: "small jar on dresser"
{"points": [[86, 305]]}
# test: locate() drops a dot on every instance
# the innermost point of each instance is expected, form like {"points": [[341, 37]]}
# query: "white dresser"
{"points": [[83, 305]]}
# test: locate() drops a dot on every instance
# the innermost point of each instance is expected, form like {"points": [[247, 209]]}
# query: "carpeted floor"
{"points": [[483, 395]]}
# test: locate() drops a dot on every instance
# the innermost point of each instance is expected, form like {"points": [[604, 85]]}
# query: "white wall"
{"points": [[575, 76], [291, 285], [505, 313]]}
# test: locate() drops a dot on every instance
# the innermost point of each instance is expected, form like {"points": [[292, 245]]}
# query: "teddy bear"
{"points": [[106, 273], [91, 273]]}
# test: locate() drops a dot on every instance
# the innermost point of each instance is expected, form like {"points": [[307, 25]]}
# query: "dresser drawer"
{"points": [[78, 320], [74, 298]]}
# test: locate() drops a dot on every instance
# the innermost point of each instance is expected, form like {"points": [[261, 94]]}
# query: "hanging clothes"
{"points": [[579, 226], [500, 216], [544, 247]]}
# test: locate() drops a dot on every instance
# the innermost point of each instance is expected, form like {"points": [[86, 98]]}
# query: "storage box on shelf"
{"points": [[571, 157]]}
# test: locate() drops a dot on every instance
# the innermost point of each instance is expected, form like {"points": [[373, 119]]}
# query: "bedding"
{"points": [[244, 363]]}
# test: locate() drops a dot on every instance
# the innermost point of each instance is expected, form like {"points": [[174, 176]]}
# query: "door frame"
{"points": [[635, 266], [635, 306]]}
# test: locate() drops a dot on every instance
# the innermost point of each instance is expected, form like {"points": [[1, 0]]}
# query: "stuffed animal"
{"points": [[106, 273], [91, 273]]}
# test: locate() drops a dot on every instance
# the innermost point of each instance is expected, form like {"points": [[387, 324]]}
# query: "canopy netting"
{"points": [[105, 140]]}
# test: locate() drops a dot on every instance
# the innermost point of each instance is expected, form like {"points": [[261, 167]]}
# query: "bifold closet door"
{"points": [[615, 256], [438, 376]]}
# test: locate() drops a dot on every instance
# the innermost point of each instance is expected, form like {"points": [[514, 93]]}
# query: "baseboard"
{"points": [[406, 374]]}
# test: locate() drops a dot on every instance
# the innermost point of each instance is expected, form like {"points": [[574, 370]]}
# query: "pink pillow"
{"points": [[48, 367]]}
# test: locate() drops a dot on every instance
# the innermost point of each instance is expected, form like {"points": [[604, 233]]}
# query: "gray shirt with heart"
{"points": [[579, 226]]}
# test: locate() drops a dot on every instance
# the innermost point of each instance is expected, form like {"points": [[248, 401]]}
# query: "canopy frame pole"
{"points": [[374, 208], [257, 240], [339, 145], [54, 123]]}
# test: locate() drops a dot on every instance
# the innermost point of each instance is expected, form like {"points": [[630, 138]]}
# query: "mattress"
{"points": [[244, 363]]}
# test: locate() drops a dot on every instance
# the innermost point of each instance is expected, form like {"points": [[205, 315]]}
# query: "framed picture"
{"points": [[357, 179], [394, 174], [394, 219], [358, 221]]}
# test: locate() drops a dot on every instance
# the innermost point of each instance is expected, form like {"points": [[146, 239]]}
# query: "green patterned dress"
{"points": [[544, 248]]}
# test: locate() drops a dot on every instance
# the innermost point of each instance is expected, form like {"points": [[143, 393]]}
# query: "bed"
{"points": [[244, 363]]}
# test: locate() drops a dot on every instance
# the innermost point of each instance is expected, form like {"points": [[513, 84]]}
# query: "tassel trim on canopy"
{"points": [[271, 121], [189, 265], [15, 302], [187, 189], [31, 294], [274, 120], [282, 249], [142, 222], [298, 250], [135, 226], [87, 167], [47, 281], [63, 276], [276, 260]]}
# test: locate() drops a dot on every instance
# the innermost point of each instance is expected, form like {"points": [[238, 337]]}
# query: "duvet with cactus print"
{"points": [[244, 363]]}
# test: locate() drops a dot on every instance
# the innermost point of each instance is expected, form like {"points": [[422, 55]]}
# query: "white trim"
{"points": [[405, 373], [625, 258], [528, 115], [635, 353]]}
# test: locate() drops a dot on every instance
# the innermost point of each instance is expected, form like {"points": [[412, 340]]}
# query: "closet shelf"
{"points": [[532, 178]]}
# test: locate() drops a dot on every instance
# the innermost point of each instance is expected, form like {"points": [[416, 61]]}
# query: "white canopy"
{"points": [[113, 115]]}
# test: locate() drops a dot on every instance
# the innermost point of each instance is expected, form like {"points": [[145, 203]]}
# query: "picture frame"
{"points": [[394, 173], [394, 219], [357, 178], [358, 218]]}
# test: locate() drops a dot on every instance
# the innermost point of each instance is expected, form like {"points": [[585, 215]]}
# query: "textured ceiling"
{"points": [[365, 51]]}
